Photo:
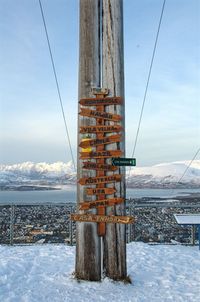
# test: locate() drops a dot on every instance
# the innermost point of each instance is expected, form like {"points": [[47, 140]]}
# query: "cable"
{"points": [[148, 79], [57, 85], [189, 165]]}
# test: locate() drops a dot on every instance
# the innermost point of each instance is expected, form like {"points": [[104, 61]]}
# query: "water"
{"points": [[68, 194]]}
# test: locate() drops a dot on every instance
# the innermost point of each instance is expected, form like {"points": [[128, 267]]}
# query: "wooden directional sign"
{"points": [[100, 179], [95, 166], [100, 115], [105, 140], [99, 191], [100, 154], [104, 202], [99, 129], [101, 101], [101, 218], [123, 161]]}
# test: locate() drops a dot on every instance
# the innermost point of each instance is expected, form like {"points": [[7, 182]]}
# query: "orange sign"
{"points": [[101, 101], [94, 166], [100, 179], [98, 191], [88, 148], [105, 140], [100, 115], [97, 129], [101, 154], [101, 218], [104, 202]]}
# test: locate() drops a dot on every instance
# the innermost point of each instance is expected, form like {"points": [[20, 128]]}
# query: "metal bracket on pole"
{"points": [[99, 90]]}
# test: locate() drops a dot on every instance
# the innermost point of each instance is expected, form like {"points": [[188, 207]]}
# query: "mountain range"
{"points": [[165, 175]]}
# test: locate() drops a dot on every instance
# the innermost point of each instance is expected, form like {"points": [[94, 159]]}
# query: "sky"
{"points": [[31, 123]]}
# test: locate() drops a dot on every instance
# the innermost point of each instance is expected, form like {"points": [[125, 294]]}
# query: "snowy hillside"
{"points": [[162, 175], [160, 273], [40, 173], [166, 175]]}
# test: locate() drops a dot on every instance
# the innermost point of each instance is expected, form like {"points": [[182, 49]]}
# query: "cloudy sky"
{"points": [[31, 124]]}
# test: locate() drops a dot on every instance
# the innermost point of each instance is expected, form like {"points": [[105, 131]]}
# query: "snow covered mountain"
{"points": [[166, 175], [157, 176], [28, 173]]}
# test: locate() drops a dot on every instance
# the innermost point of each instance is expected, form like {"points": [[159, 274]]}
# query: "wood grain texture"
{"points": [[96, 129], [113, 78], [101, 202], [101, 101], [88, 251], [101, 218], [101, 141], [95, 166], [98, 114]]}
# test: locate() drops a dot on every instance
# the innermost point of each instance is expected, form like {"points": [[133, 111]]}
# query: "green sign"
{"points": [[123, 161]]}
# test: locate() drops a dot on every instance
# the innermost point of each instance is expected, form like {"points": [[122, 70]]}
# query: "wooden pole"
{"points": [[88, 249], [113, 79]]}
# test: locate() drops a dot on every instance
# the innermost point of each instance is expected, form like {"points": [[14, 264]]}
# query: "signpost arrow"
{"points": [[103, 141], [100, 129], [101, 218], [123, 161], [99, 191], [99, 167], [104, 202], [100, 115], [101, 101], [101, 154]]}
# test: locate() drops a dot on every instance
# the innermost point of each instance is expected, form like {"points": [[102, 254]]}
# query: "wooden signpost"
{"points": [[101, 115], [101, 141], [98, 191], [102, 218], [89, 165], [103, 129], [104, 202], [101, 101], [101, 61], [100, 154], [100, 179]]}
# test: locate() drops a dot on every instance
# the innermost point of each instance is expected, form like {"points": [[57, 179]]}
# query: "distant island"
{"points": [[27, 188]]}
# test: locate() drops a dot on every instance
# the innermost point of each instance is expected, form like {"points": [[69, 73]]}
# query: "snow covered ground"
{"points": [[44, 273]]}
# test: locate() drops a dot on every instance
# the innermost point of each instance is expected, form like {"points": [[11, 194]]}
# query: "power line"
{"points": [[189, 165], [57, 85], [148, 78]]}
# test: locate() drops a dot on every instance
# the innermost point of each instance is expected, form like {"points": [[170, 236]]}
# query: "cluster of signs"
{"points": [[96, 157]]}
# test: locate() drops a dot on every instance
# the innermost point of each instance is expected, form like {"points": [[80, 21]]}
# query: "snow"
{"points": [[161, 173], [45, 273], [187, 218], [170, 171]]}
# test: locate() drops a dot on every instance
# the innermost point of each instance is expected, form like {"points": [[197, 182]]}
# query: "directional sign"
{"points": [[101, 101], [104, 202], [123, 161], [101, 115], [99, 191], [88, 148], [95, 166], [101, 218], [97, 129], [100, 179], [101, 154], [105, 140]]}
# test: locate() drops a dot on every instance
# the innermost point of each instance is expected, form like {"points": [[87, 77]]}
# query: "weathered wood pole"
{"points": [[113, 79], [88, 251]]}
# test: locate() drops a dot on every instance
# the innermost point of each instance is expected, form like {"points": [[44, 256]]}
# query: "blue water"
{"points": [[68, 194]]}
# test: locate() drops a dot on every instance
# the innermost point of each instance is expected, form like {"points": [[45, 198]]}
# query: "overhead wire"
{"points": [[148, 78], [57, 84], [188, 166]]}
